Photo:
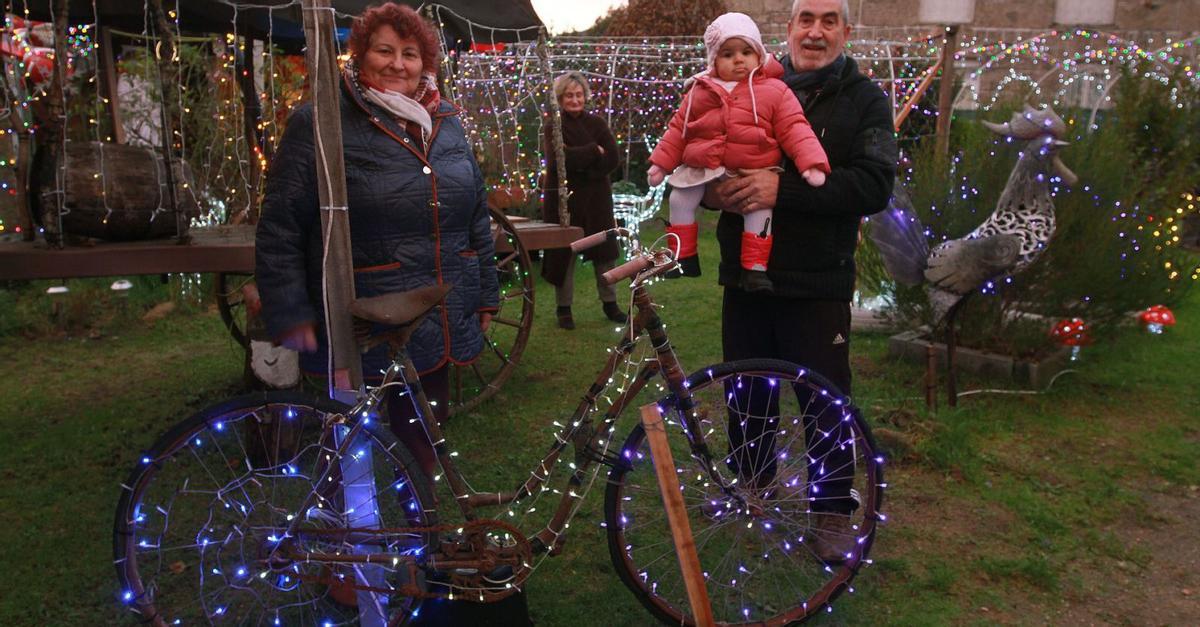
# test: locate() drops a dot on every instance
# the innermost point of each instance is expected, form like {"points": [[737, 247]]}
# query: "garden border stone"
{"points": [[912, 346]]}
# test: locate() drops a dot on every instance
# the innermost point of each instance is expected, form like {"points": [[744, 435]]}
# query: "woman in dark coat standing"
{"points": [[417, 209], [591, 155]]}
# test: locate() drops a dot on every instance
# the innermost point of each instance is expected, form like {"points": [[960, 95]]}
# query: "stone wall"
{"points": [[1131, 15], [771, 15]]}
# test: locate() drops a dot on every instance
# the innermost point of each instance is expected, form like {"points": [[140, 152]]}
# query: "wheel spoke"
{"points": [[519, 294], [508, 259], [479, 374], [507, 322]]}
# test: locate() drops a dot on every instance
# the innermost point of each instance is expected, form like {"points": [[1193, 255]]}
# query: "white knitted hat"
{"points": [[732, 25]]}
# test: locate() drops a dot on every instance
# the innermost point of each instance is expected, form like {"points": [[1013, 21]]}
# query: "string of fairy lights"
{"points": [[636, 85], [504, 90]]}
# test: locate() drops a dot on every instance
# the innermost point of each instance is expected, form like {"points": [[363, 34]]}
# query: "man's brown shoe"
{"points": [[831, 536]]}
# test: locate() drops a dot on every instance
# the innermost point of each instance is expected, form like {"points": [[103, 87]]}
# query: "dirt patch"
{"points": [[963, 526], [1160, 583], [1152, 576], [1010, 562]]}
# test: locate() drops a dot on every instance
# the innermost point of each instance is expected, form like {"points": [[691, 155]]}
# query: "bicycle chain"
{"points": [[471, 545]]}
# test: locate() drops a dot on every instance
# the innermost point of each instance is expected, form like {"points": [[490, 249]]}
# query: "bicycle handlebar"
{"points": [[628, 269], [642, 261], [595, 239]]}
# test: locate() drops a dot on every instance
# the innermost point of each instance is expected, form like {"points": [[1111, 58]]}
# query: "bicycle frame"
{"points": [[586, 438]]}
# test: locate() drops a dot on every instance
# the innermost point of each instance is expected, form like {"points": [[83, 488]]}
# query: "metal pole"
{"points": [[916, 95], [951, 347]]}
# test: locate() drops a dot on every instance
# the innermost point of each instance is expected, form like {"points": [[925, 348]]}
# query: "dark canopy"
{"points": [[464, 20], [195, 16]]}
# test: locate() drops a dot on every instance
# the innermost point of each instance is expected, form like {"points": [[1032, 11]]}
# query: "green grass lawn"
{"points": [[1012, 508]]}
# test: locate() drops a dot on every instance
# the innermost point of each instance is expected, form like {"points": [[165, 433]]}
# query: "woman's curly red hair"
{"points": [[407, 24]]}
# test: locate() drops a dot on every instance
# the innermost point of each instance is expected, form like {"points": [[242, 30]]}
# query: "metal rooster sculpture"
{"points": [[1010, 239]]}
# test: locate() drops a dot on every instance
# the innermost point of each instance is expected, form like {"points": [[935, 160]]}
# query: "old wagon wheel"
{"points": [[231, 304], [505, 340]]}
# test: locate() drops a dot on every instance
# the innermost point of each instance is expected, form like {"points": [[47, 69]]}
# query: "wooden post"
{"points": [[916, 95], [338, 275], [21, 164], [946, 90], [951, 347], [55, 133], [681, 530], [560, 158], [931, 377], [165, 56], [108, 85], [951, 373], [251, 118]]}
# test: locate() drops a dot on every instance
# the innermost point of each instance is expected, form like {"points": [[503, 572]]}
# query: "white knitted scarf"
{"points": [[402, 107]]}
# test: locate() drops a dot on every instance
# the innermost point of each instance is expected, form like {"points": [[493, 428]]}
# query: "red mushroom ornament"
{"points": [[1157, 318], [1073, 332]]}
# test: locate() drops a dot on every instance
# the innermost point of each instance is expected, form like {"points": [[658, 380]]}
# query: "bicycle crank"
{"points": [[483, 560]]}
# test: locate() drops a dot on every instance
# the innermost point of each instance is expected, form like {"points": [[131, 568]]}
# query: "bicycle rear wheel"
{"points": [[782, 498], [202, 516]]}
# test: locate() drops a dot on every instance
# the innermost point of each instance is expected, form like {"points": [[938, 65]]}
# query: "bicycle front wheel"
{"points": [[782, 487], [201, 523]]}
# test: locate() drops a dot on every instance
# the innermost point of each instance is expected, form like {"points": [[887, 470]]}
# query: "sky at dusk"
{"points": [[569, 15]]}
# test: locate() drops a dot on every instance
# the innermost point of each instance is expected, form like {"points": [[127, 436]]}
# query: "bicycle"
{"points": [[283, 508]]}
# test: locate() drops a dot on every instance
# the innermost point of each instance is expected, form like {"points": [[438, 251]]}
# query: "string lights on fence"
{"points": [[636, 85]]}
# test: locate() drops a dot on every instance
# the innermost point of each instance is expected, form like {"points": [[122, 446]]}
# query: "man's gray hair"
{"points": [[845, 10], [564, 81]]}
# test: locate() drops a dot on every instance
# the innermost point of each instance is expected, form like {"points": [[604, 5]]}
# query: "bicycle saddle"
{"points": [[399, 308]]}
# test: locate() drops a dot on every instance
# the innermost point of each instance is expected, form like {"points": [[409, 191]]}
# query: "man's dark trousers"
{"points": [[814, 334]]}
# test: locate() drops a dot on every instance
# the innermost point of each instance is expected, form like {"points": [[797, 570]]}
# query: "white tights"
{"points": [[684, 201]]}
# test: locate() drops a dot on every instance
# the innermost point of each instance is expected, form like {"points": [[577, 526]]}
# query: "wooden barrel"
{"points": [[114, 192]]}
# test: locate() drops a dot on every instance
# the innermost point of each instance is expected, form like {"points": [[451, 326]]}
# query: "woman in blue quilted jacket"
{"points": [[417, 210]]}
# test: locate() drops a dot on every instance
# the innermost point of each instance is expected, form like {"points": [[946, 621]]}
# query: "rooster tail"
{"points": [[900, 238]]}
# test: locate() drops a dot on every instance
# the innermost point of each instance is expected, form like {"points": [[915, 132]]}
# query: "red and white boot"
{"points": [[689, 258], [756, 250]]}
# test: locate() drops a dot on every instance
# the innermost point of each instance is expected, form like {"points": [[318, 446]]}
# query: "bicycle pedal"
{"points": [[610, 459]]}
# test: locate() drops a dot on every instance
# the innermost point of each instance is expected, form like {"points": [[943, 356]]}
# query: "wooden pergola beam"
{"points": [[338, 270], [946, 90]]}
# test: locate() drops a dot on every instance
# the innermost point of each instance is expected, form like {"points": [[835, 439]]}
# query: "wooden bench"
{"points": [[211, 249]]}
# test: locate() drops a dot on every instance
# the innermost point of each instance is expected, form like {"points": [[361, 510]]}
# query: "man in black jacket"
{"points": [[807, 318]]}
